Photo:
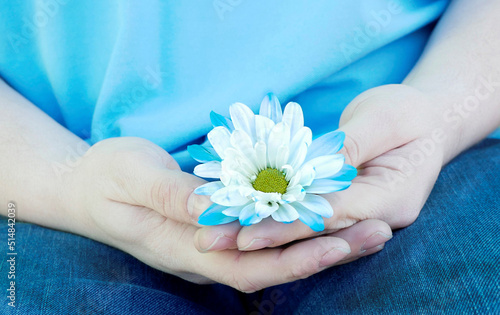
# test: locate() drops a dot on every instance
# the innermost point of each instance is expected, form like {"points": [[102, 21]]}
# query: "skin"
{"points": [[130, 194]]}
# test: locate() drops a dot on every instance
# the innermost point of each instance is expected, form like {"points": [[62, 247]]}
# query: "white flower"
{"points": [[268, 165]]}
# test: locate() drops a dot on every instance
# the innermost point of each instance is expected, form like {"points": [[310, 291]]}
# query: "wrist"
{"points": [[459, 120], [70, 212]]}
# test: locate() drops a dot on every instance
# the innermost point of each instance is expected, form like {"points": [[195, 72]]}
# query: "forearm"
{"points": [[460, 72], [35, 155]]}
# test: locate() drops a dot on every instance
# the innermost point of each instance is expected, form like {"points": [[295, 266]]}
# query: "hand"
{"points": [[388, 131], [131, 194]]}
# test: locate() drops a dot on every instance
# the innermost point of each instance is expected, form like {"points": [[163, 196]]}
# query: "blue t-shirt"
{"points": [[155, 69]]}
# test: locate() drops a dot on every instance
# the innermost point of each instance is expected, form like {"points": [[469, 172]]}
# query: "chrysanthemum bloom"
{"points": [[268, 165]]}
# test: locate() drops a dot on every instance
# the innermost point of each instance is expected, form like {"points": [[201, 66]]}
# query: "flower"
{"points": [[268, 165]]}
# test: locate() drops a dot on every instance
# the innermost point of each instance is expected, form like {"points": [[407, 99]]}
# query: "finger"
{"points": [[169, 248], [368, 252], [216, 238], [252, 271], [364, 236], [270, 233], [379, 120]]}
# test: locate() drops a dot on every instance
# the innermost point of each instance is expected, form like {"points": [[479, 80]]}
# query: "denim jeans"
{"points": [[447, 261]]}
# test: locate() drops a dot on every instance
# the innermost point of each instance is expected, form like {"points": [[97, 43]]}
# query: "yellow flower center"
{"points": [[271, 180]]}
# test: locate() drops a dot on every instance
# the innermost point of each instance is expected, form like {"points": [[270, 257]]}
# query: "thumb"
{"points": [[380, 120], [170, 192]]}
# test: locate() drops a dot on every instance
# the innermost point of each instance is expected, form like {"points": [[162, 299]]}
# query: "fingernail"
{"points": [[258, 243], [375, 239], [333, 256], [221, 242]]}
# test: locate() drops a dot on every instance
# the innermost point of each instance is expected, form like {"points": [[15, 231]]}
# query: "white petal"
{"points": [[219, 137], [307, 175], [289, 171], [285, 213], [242, 141], [293, 117], [325, 186], [279, 135], [299, 146], [229, 196], [210, 169], [271, 108], [282, 156], [261, 155], [264, 209], [266, 197], [209, 188], [246, 189], [263, 127], [298, 156], [327, 165], [248, 215], [328, 144], [295, 179], [317, 204], [295, 193], [234, 211], [243, 118], [237, 162], [231, 173]]}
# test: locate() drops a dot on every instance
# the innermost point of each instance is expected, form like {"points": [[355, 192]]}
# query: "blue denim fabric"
{"points": [[447, 261]]}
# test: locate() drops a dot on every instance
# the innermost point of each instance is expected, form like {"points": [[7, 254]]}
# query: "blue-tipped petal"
{"points": [[209, 188], [219, 120], [202, 153], [309, 218], [327, 144], [326, 186], [214, 216], [327, 166], [347, 173], [317, 204], [248, 216], [271, 108], [285, 213]]}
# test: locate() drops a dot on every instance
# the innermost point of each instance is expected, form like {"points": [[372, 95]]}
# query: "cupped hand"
{"points": [[131, 194], [394, 138]]}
